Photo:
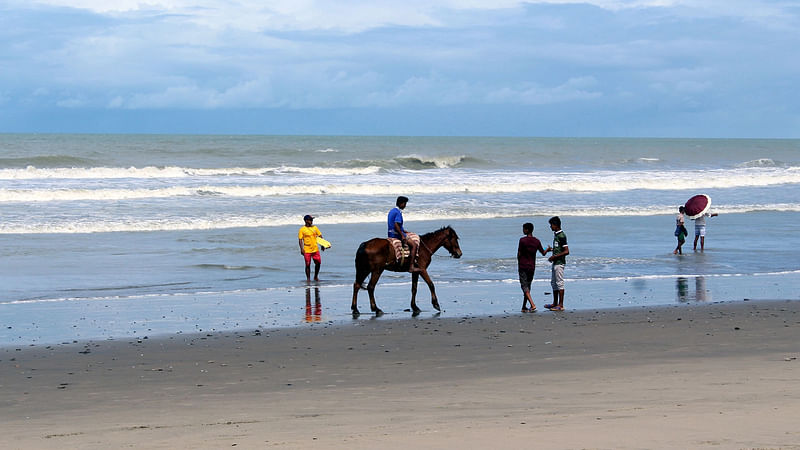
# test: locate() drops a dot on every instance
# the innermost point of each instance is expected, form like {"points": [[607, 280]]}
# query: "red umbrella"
{"points": [[697, 206]]}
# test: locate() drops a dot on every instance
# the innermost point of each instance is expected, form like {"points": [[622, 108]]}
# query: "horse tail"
{"points": [[362, 264]]}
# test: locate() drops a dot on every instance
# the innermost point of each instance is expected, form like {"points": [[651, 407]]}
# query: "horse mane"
{"points": [[444, 228]]}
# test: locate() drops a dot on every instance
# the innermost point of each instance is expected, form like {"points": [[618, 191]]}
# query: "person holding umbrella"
{"points": [[700, 230], [697, 208]]}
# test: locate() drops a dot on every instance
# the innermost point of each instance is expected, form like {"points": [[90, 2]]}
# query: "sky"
{"points": [[622, 68]]}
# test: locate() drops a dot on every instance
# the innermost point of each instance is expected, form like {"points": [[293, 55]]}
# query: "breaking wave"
{"points": [[46, 161], [153, 224], [763, 162], [100, 173], [433, 162], [349, 182]]}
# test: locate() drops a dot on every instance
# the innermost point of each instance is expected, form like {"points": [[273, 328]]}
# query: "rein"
{"points": [[430, 251]]}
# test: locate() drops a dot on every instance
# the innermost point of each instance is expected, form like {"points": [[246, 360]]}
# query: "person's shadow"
{"points": [[313, 312]]}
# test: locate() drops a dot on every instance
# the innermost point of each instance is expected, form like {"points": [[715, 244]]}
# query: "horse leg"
{"points": [[354, 306], [434, 300], [414, 280], [373, 281]]}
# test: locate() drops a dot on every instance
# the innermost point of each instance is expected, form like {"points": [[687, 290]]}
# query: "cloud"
{"points": [[355, 16], [574, 89], [73, 102], [256, 16], [344, 90], [210, 55], [252, 93], [418, 90]]}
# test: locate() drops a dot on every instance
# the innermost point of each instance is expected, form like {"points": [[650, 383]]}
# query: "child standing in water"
{"points": [[680, 230]]}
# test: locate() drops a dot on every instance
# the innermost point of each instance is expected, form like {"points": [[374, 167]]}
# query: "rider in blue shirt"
{"points": [[396, 230]]}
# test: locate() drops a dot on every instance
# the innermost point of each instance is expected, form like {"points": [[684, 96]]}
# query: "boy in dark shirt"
{"points": [[526, 263]]}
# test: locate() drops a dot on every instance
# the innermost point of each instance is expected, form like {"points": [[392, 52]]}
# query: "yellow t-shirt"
{"points": [[309, 237]]}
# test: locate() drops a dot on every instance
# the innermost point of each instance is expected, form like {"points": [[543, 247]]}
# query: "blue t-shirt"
{"points": [[395, 216]]}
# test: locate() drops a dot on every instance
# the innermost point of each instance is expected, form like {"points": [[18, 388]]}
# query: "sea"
{"points": [[133, 236]]}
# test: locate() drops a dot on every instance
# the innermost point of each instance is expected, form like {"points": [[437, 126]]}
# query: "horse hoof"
{"points": [[378, 312], [356, 313], [436, 305], [416, 312]]}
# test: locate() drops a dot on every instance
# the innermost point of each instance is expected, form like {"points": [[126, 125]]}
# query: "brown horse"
{"points": [[376, 255]]}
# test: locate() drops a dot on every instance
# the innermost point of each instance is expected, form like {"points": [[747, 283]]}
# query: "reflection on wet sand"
{"points": [[700, 294], [313, 313], [682, 288]]}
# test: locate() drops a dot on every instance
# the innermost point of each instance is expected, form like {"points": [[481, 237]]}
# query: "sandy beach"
{"points": [[723, 375]]}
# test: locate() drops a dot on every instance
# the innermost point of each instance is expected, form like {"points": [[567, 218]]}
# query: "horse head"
{"points": [[450, 242]]}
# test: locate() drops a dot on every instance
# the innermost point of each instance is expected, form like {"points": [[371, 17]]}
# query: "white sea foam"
{"points": [[151, 172], [128, 224], [441, 162], [372, 180], [761, 162], [93, 173], [332, 171], [261, 290], [343, 182], [676, 276], [60, 195]]}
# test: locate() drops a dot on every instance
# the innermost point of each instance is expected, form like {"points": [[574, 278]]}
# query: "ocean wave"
{"points": [[326, 171], [77, 168], [619, 211], [65, 195], [692, 276], [46, 161], [457, 174], [642, 160], [136, 296], [154, 224], [224, 293], [152, 172], [347, 182], [224, 267], [433, 162], [261, 290], [764, 162], [97, 173]]}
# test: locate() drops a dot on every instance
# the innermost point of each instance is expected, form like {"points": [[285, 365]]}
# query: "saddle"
{"points": [[400, 253]]}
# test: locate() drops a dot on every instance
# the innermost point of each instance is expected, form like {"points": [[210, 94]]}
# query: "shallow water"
{"points": [[325, 304], [104, 233]]}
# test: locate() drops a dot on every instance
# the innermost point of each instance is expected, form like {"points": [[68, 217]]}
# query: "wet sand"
{"points": [[723, 375]]}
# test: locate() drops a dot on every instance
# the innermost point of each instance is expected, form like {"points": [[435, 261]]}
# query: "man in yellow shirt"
{"points": [[307, 237]]}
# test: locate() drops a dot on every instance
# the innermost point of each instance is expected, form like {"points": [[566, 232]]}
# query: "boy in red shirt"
{"points": [[526, 263]]}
